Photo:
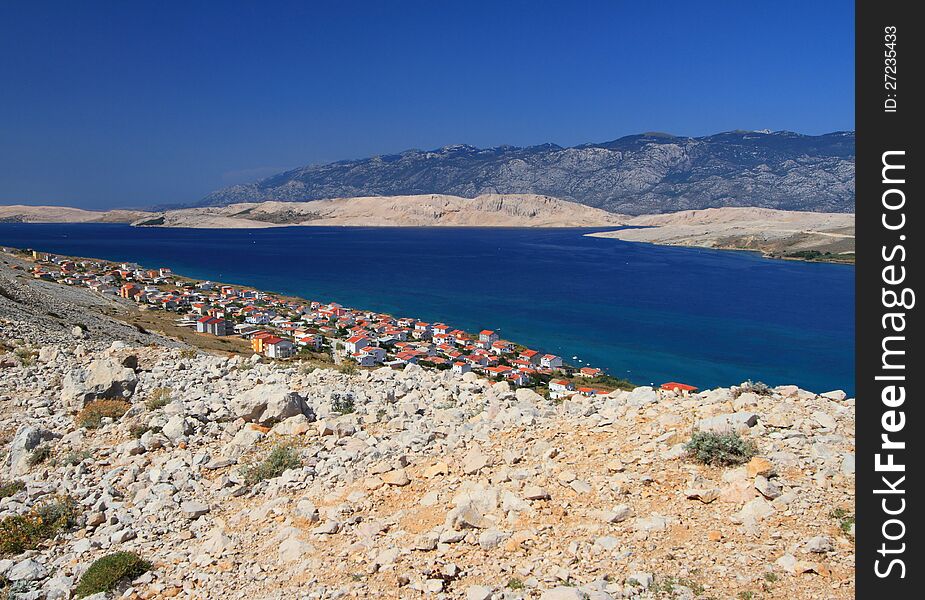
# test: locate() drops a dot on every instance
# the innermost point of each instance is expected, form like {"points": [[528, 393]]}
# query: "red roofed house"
{"points": [[461, 368], [560, 387], [498, 371], [519, 378], [489, 336], [589, 372], [277, 347], [213, 325], [673, 386], [356, 343], [531, 355]]}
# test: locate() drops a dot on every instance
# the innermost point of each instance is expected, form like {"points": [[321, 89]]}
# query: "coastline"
{"points": [[320, 266], [434, 346]]}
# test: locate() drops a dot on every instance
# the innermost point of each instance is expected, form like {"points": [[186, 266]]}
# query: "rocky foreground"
{"points": [[432, 486]]}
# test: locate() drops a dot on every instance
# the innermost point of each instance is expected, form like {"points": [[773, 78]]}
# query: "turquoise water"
{"points": [[648, 313]]}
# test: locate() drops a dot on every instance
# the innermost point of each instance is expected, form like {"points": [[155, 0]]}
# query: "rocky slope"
{"points": [[21, 213], [490, 210], [773, 232], [407, 484], [639, 174]]}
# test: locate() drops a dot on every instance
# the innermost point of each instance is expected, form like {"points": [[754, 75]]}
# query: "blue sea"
{"points": [[647, 313]]}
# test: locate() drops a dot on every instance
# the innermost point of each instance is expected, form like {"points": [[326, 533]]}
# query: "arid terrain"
{"points": [[243, 477], [777, 233], [21, 213], [491, 210]]}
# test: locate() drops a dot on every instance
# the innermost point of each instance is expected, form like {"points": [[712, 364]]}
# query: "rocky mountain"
{"points": [[638, 174], [433, 210]]}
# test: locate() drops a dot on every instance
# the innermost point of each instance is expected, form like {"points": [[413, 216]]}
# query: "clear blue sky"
{"points": [[136, 103]]}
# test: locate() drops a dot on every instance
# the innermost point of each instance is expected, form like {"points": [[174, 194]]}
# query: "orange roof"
{"points": [[674, 385]]}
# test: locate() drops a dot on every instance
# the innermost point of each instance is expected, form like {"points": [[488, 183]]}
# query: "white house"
{"points": [[356, 343], [551, 361], [278, 348], [461, 368], [377, 353], [560, 387]]}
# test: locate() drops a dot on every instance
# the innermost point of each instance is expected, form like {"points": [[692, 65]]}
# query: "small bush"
{"points": [[39, 455], [347, 367], [844, 518], [755, 387], [107, 572], [343, 404], [280, 459], [139, 429], [92, 415], [73, 458], [188, 353], [25, 355], [515, 584], [10, 488], [720, 448], [19, 533], [159, 398]]}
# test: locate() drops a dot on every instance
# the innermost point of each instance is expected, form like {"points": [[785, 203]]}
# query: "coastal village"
{"points": [[284, 328]]}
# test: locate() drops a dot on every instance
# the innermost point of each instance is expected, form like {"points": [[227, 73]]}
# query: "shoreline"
{"points": [[407, 340], [761, 253]]}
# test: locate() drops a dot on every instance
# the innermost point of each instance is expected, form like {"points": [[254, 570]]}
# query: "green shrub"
{"points": [[19, 533], [343, 404], [720, 448], [280, 459], [10, 488], [107, 572], [40, 454], [844, 518], [188, 353], [159, 398], [755, 387], [347, 367], [92, 415], [73, 458], [25, 355], [515, 584]]}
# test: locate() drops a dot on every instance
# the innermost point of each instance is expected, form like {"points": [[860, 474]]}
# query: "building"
{"points": [[214, 326], [532, 356], [551, 361], [356, 343], [589, 372], [561, 387], [488, 336], [461, 368], [277, 347], [674, 386]]}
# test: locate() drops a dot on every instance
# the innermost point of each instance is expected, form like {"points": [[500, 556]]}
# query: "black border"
{"points": [[879, 131]]}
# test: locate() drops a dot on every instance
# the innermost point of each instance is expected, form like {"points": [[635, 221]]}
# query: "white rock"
{"points": [[27, 570], [478, 592], [268, 404], [563, 593]]}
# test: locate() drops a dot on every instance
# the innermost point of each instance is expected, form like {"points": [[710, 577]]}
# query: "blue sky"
{"points": [[111, 103]]}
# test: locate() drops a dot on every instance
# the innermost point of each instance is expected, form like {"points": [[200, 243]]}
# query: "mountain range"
{"points": [[638, 174]]}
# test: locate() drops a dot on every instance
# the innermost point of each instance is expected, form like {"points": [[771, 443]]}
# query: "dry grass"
{"points": [[92, 415]]}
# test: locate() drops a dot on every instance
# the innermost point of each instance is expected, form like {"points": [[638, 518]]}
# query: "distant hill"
{"points": [[639, 174], [490, 210]]}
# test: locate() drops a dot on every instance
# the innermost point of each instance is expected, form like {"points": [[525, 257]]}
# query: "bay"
{"points": [[645, 312]]}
